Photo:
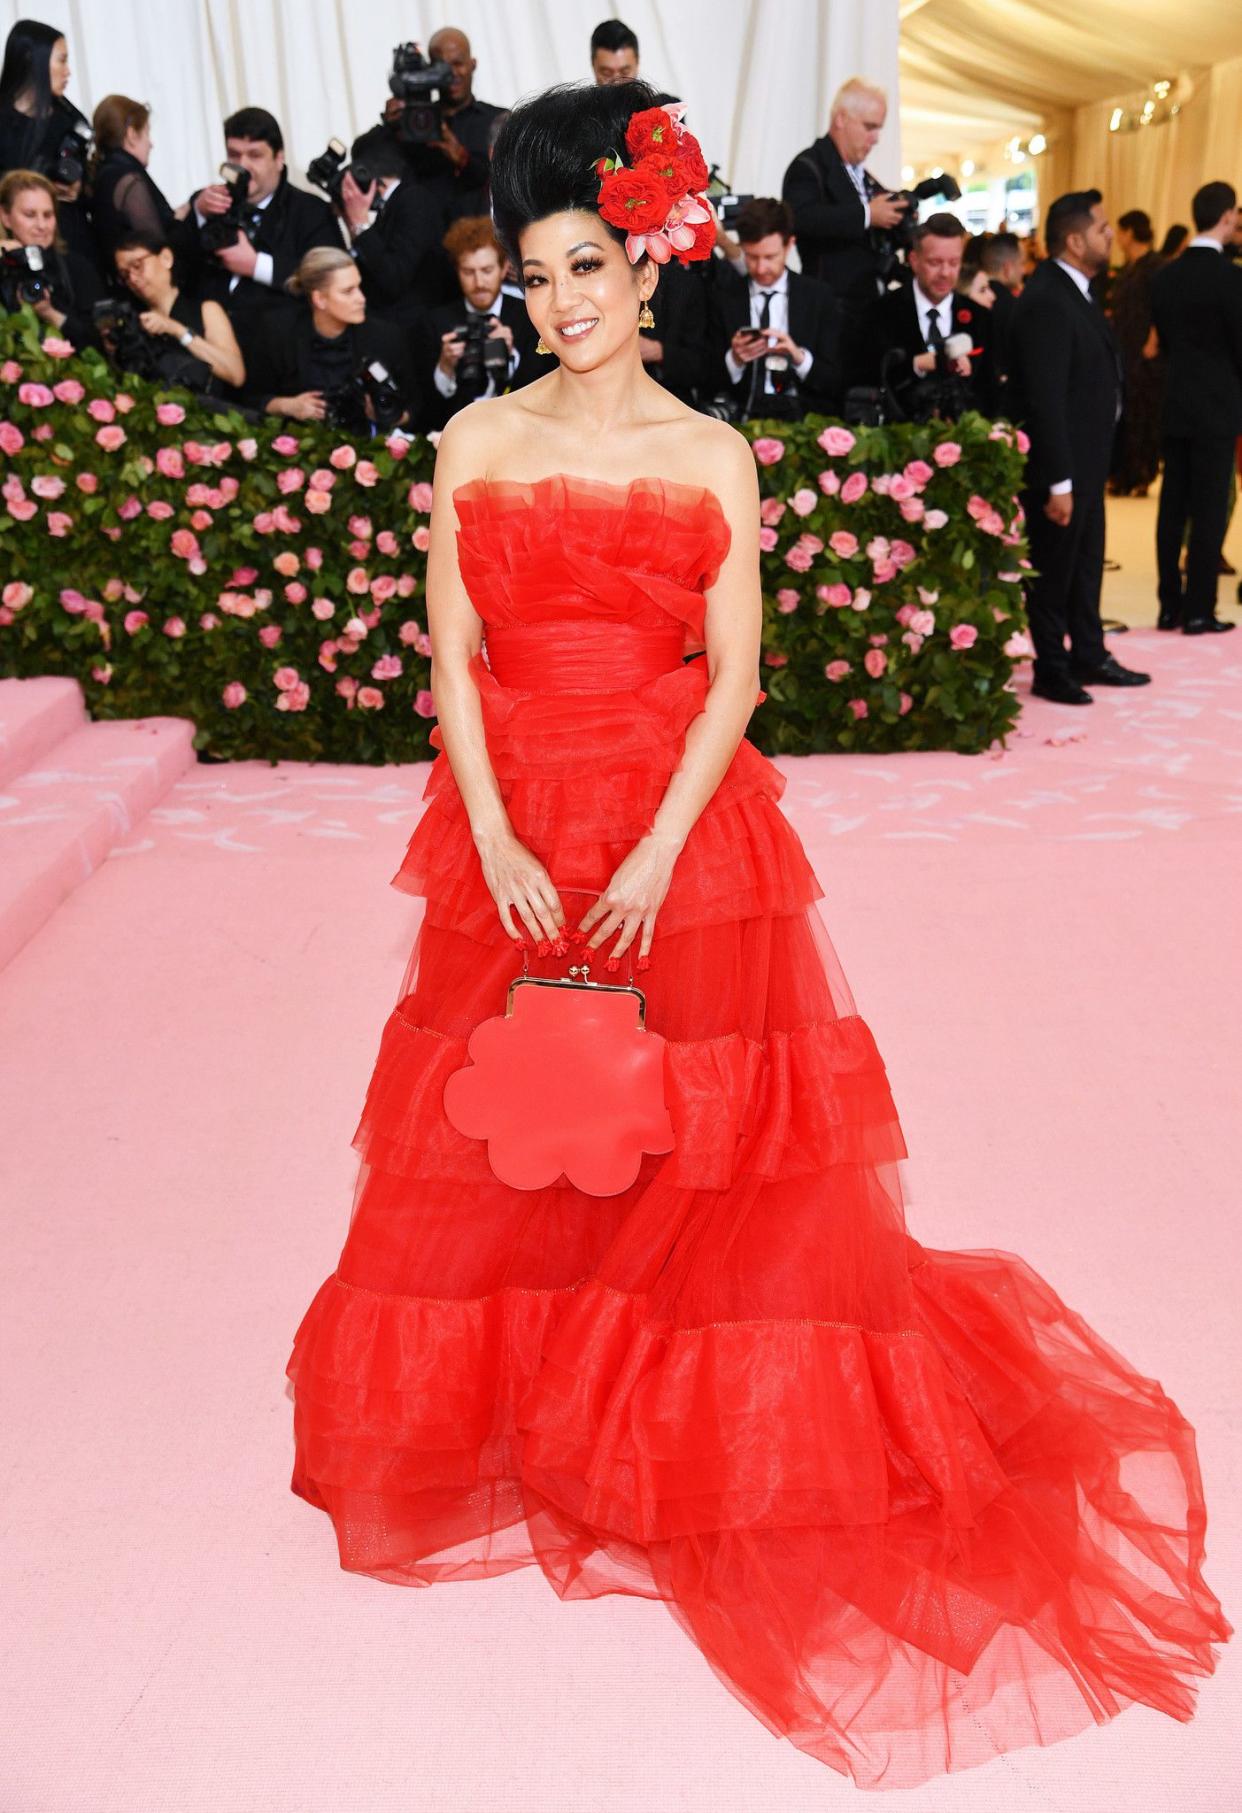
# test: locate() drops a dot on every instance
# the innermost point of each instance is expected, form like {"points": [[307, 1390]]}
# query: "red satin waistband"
{"points": [[582, 657]]}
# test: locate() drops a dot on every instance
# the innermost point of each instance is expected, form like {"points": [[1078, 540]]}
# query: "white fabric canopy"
{"points": [[757, 78]]}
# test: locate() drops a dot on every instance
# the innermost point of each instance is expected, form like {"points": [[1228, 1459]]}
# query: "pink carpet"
{"points": [[1045, 943]]}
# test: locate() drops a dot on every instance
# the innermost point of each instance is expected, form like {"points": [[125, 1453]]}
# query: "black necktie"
{"points": [[759, 370], [935, 337]]}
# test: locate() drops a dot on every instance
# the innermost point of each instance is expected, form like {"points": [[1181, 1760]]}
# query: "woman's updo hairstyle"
{"points": [[546, 150]]}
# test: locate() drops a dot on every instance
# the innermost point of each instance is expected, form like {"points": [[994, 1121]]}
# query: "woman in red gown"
{"points": [[911, 1508]]}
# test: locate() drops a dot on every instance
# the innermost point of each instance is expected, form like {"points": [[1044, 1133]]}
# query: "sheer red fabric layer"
{"points": [[911, 1508]]}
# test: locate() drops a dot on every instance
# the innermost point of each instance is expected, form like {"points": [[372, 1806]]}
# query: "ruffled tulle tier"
{"points": [[906, 1549]]}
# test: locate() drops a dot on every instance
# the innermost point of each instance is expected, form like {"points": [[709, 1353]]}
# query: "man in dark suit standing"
{"points": [[773, 314], [1067, 386], [916, 320], [841, 212], [449, 381], [1196, 305], [1001, 258]]}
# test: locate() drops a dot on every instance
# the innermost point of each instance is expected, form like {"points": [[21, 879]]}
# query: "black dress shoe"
{"points": [[1169, 620], [1061, 690], [1109, 672], [1206, 626]]}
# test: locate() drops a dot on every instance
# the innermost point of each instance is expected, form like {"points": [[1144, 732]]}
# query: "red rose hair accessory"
{"points": [[659, 199]]}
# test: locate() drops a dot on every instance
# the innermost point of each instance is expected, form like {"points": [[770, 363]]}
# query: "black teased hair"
{"points": [[545, 154]]}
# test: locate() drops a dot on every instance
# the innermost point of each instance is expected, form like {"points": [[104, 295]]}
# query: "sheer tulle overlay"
{"points": [[911, 1508]]}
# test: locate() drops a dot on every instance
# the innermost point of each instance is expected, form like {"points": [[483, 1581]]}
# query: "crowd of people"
{"points": [[386, 302]]}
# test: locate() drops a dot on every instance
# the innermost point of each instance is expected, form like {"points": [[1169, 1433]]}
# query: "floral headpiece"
{"points": [[659, 198]]}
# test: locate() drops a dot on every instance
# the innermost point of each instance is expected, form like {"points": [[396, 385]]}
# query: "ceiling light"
{"points": [[1037, 145], [1115, 122]]}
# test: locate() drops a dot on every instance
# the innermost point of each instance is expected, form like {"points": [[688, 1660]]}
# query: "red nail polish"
{"points": [[521, 944], [543, 947], [559, 948], [578, 936], [613, 963], [644, 963]]}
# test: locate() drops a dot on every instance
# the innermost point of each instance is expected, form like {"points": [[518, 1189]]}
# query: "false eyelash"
{"points": [[582, 264]]}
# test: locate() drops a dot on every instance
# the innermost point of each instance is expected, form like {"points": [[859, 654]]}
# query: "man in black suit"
{"points": [[1196, 305], [447, 384], [841, 212], [248, 277], [456, 165], [1067, 385], [1001, 258], [773, 324], [397, 227], [917, 319]]}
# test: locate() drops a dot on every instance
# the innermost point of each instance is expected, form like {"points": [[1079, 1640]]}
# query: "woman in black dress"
{"points": [[171, 317], [126, 199], [28, 217], [41, 129]]}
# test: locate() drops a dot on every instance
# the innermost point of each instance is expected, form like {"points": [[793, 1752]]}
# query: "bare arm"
{"points": [[515, 878], [732, 626], [217, 346]]}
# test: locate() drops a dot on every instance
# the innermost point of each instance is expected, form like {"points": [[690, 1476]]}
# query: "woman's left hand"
{"points": [[633, 897], [153, 322]]}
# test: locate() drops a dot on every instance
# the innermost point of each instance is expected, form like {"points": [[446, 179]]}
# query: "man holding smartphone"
{"points": [[775, 331]]}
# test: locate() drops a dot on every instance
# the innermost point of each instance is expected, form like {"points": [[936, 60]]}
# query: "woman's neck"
{"points": [[166, 300], [329, 327]]}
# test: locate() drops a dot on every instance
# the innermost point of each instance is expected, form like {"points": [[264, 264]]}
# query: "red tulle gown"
{"points": [[911, 1508]]}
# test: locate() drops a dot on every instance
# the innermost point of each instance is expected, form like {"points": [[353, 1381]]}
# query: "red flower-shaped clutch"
{"points": [[567, 1081]]}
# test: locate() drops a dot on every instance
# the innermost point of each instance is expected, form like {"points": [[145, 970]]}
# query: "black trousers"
{"points": [[1064, 597], [1198, 470]]}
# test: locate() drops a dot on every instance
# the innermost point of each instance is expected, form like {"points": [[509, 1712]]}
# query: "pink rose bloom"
{"points": [[861, 599], [407, 585], [110, 438], [295, 592], [234, 695], [102, 674], [838, 596], [12, 440], [420, 497], [773, 660], [327, 657], [248, 447], [131, 507], [134, 621], [409, 630], [948, 453], [43, 432], [934, 519], [828, 483], [184, 544], [771, 509], [296, 699], [854, 487], [356, 627], [346, 687], [317, 502], [875, 661], [843, 544], [314, 558], [388, 667], [836, 441], [270, 634], [38, 396], [170, 462], [901, 554], [767, 540], [59, 523], [923, 623], [877, 641], [803, 501], [17, 594], [201, 519], [978, 507], [357, 581], [787, 600], [87, 483], [174, 627], [912, 509], [287, 563], [321, 479], [963, 635], [285, 677], [47, 487], [370, 698], [768, 450], [903, 614], [290, 480], [264, 523], [284, 520], [197, 454], [836, 670], [124, 403], [927, 596], [901, 487], [919, 473], [342, 457], [208, 621], [878, 547], [397, 445], [797, 557], [169, 414], [366, 473], [1024, 441], [883, 571], [424, 705], [198, 494], [383, 587], [1019, 647], [68, 390], [360, 526], [386, 542], [244, 576], [904, 704], [858, 707], [422, 644], [285, 445], [421, 538], [100, 410], [72, 601], [114, 589], [21, 509], [10, 371], [322, 609], [881, 482], [811, 543]]}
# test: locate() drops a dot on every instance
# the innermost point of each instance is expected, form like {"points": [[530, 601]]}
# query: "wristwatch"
{"points": [[185, 338]]}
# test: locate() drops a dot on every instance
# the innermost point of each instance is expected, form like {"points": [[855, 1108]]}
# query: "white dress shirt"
{"points": [[447, 386], [926, 308], [264, 265], [778, 318], [858, 176], [1205, 239]]}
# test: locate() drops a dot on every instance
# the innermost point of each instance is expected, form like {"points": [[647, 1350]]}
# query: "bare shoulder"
{"points": [[725, 461], [472, 438]]}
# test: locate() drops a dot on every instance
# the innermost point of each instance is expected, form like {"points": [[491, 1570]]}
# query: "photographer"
{"points": [[276, 226], [41, 129], [396, 225], [481, 344], [931, 345], [317, 365], [774, 333], [59, 286], [168, 316], [450, 151], [125, 199]]}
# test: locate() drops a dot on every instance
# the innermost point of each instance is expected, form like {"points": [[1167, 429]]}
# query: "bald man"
{"points": [[456, 164]]}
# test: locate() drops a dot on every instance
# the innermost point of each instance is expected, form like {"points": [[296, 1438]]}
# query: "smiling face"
{"points": [[31, 219], [582, 293]]}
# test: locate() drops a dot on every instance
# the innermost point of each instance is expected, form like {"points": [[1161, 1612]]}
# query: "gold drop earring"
{"points": [[541, 345], [645, 316]]}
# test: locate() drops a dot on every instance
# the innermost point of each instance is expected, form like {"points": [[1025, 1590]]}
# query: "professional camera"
{"points": [[893, 241], [329, 170], [153, 357], [727, 203], [220, 231], [418, 85], [486, 355], [941, 395], [67, 165], [23, 278], [346, 407]]}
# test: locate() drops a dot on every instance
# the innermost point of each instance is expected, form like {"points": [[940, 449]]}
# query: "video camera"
{"points": [[329, 170], [486, 355], [346, 407], [220, 231], [941, 395], [23, 278], [891, 242], [418, 85]]}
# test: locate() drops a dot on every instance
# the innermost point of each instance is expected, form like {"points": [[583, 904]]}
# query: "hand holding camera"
{"points": [[888, 210]]}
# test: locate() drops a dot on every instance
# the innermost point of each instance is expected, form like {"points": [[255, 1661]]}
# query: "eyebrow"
{"points": [[581, 246]]}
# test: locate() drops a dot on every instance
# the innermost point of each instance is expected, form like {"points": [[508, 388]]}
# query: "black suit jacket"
{"points": [[281, 363], [814, 322], [435, 410], [1001, 324], [291, 223], [1196, 304], [834, 242], [680, 309], [1066, 381], [896, 329], [405, 268]]}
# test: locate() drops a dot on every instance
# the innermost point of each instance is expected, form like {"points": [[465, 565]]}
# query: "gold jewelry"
{"points": [[645, 316], [540, 346]]}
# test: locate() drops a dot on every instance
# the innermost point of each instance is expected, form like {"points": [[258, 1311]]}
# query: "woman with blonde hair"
{"points": [[30, 218]]}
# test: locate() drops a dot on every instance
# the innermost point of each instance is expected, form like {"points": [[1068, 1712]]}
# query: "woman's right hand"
{"points": [[309, 406], [517, 880]]}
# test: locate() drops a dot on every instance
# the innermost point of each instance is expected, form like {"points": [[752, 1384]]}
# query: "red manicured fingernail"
{"points": [[578, 936], [559, 948], [644, 963], [521, 944], [613, 963], [543, 947]]}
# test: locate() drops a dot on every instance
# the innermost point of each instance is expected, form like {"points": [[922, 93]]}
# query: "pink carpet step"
{"points": [[34, 716], [61, 816]]}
